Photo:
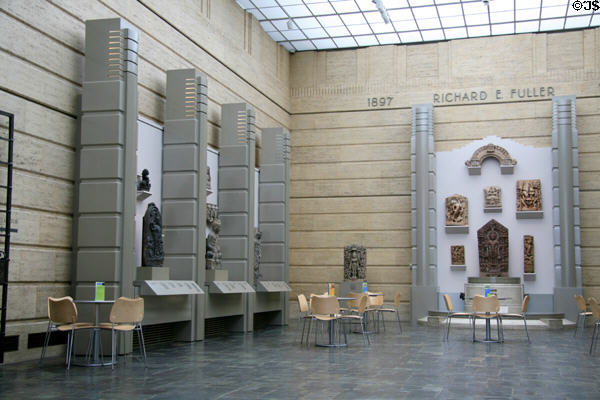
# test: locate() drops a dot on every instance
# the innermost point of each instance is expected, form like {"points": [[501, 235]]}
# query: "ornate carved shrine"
{"points": [[492, 239], [457, 210], [491, 150], [355, 262], [152, 241], [528, 254], [213, 250], [529, 195], [493, 197], [457, 255]]}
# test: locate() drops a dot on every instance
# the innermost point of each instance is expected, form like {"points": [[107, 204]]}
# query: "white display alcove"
{"points": [[453, 177]]}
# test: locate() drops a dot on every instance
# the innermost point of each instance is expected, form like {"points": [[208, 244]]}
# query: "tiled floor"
{"points": [[270, 364]]}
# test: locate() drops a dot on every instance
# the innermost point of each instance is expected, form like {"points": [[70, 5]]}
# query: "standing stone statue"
{"points": [[457, 210], [493, 249], [457, 255], [355, 262], [213, 250], [529, 195], [257, 256], [528, 254], [144, 183], [208, 181], [152, 242], [493, 197]]}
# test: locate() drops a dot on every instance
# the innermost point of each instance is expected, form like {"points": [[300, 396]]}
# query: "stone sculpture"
{"points": [[529, 195], [355, 262], [491, 150], [528, 254], [208, 181], [492, 197], [257, 256], [457, 254], [213, 250], [492, 239], [457, 210], [144, 183], [152, 241]]}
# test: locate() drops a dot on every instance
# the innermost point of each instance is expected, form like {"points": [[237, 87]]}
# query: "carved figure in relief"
{"points": [[144, 182], [493, 197], [457, 210], [528, 254], [208, 181], [492, 240], [457, 254], [529, 195], [213, 250], [257, 255], [152, 241], [493, 151], [355, 262]]}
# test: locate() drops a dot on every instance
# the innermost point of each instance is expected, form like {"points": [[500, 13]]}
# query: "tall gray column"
{"points": [[273, 215], [184, 185], [106, 187], [565, 215], [423, 213], [236, 198]]}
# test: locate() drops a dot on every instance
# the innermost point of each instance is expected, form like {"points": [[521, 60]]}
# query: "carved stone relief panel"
{"points": [[492, 240], [507, 163], [528, 254], [529, 195], [457, 210], [355, 262], [493, 197], [152, 242], [257, 255], [457, 255], [213, 249]]}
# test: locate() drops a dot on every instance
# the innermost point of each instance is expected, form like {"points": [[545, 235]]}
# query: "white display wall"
{"points": [[149, 156], [453, 178]]}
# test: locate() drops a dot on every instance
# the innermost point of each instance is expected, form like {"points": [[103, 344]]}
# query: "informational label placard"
{"points": [[273, 286], [100, 291], [170, 288], [226, 287]]}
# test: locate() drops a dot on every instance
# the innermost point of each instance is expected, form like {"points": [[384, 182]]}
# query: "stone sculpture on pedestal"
{"points": [[457, 210], [529, 195], [457, 254], [492, 197], [208, 181], [152, 241], [213, 250], [355, 262], [492, 239], [528, 254], [144, 182]]}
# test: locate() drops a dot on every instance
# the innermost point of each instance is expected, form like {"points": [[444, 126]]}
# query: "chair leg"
{"points": [[498, 326], [112, 349], [474, 320], [526, 331], [576, 325], [46, 341], [70, 347], [399, 324], [448, 322], [593, 338], [142, 344]]}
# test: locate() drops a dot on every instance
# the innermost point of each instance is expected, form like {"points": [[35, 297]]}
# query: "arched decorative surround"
{"points": [[507, 163]]}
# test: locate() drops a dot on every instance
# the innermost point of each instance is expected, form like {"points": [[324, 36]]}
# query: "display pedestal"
{"points": [[152, 274], [346, 287], [509, 290], [216, 275]]}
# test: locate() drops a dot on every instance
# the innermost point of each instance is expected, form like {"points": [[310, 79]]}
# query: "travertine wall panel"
{"points": [[565, 51], [392, 256], [351, 187], [367, 169], [349, 222], [349, 204], [372, 134]]}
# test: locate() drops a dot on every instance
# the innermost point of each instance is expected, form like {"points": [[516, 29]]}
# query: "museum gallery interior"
{"points": [[299, 199]]}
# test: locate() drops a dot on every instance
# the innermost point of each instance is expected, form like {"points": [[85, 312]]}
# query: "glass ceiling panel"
{"points": [[301, 25]]}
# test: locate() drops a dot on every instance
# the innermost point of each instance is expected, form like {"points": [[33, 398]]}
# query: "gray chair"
{"points": [[581, 314], [451, 314], [596, 313]]}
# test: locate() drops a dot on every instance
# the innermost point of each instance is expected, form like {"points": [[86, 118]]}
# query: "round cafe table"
{"points": [[95, 359]]}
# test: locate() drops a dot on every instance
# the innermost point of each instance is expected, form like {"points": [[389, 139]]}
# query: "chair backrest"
{"points": [[62, 310], [580, 303], [127, 310], [448, 303], [595, 308], [325, 305], [486, 304], [302, 303], [525, 304], [362, 303], [397, 300], [375, 300], [354, 303]]}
